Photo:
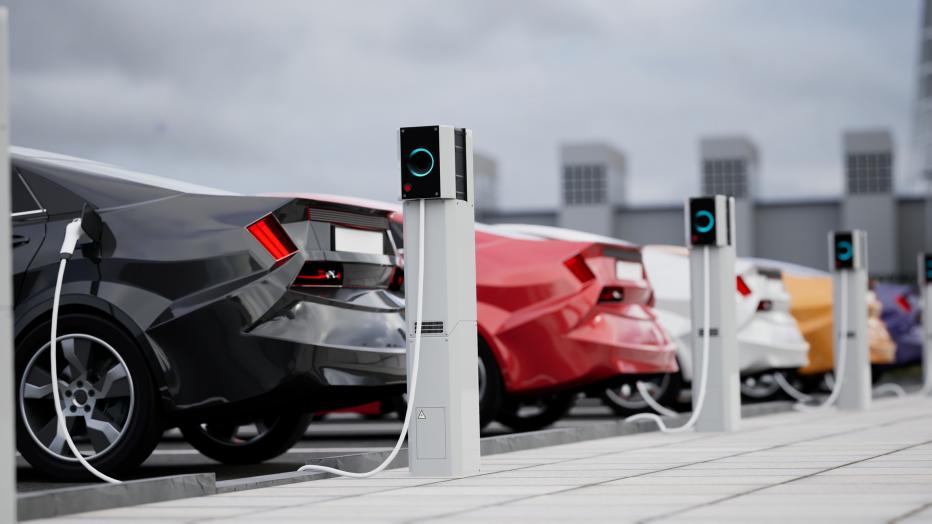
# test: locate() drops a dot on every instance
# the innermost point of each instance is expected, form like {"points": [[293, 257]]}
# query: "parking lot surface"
{"points": [[873, 466], [339, 434]]}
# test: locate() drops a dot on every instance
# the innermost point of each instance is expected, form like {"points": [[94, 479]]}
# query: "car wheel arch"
{"points": [[87, 304], [499, 353]]}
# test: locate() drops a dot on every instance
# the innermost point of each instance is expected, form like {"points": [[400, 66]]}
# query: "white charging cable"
{"points": [[704, 377], [892, 388], [414, 367], [842, 356], [72, 235]]}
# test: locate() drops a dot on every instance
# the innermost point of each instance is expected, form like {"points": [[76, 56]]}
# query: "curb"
{"points": [[57, 502]]}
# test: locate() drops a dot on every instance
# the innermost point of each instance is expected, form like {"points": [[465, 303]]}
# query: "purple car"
{"points": [[902, 316]]}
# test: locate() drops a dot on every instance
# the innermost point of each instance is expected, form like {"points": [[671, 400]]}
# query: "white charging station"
{"points": [[925, 293], [710, 233], [7, 438], [848, 262], [436, 172]]}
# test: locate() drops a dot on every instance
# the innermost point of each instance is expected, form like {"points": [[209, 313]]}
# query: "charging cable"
{"points": [[72, 235], [842, 358], [703, 378], [414, 367], [652, 403]]}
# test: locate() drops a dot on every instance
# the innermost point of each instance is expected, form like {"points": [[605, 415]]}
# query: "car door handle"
{"points": [[19, 240]]}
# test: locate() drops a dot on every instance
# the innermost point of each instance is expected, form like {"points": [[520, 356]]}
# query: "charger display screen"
{"points": [[703, 230], [420, 162], [843, 250]]}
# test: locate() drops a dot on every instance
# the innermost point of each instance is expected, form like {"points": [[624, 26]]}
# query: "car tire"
{"points": [[111, 403], [624, 400], [490, 389], [763, 387], [221, 439], [544, 411]]}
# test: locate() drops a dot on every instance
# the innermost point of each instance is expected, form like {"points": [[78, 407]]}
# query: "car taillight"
{"points": [[743, 287], [904, 304], [577, 265], [270, 233], [397, 282], [320, 274], [765, 305], [612, 294]]}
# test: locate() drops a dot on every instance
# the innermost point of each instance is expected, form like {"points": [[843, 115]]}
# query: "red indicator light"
{"points": [[319, 274], [270, 233], [406, 187], [743, 287], [904, 304]]}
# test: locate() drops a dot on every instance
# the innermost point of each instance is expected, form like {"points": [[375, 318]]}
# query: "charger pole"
{"points": [[437, 168], [925, 290], [848, 260], [7, 447], [710, 224]]}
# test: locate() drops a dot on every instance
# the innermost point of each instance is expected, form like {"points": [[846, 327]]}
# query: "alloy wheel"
{"points": [[96, 391]]}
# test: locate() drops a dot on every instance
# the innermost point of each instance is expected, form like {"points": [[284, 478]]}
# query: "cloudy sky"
{"points": [[307, 96]]}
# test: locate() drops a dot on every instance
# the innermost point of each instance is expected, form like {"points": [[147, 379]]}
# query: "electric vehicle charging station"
{"points": [[436, 173], [925, 293], [848, 261], [710, 233]]}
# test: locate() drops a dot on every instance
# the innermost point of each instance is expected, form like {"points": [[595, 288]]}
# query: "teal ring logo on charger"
{"points": [[708, 216], [845, 251], [425, 172]]}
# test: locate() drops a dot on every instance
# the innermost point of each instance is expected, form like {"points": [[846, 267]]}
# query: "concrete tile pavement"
{"points": [[874, 466]]}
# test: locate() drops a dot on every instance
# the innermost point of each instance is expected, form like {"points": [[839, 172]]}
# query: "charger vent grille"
{"points": [[431, 327], [459, 164]]}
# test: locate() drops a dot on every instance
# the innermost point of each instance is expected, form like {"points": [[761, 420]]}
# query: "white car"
{"points": [[769, 339]]}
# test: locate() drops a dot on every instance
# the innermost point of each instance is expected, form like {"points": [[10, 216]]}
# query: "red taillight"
{"points": [[320, 274], [579, 268], [397, 282], [270, 233], [904, 304], [743, 287], [612, 294]]}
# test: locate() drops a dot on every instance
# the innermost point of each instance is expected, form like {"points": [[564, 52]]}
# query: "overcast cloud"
{"points": [[307, 96]]}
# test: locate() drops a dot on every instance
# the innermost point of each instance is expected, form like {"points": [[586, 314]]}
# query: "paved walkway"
{"points": [[830, 466]]}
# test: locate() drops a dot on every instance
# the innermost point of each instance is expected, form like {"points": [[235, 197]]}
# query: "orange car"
{"points": [[811, 305]]}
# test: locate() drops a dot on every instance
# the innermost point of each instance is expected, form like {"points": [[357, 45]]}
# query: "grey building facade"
{"points": [[791, 230], [922, 139], [592, 186]]}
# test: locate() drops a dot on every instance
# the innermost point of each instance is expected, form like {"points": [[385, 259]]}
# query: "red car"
{"points": [[555, 318]]}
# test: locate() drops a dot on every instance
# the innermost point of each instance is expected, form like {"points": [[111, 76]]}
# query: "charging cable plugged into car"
{"points": [[88, 225]]}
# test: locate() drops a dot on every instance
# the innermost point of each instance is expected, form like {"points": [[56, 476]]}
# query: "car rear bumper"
{"points": [[605, 345], [267, 346], [771, 340]]}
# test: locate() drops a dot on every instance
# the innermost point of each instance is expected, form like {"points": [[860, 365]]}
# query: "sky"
{"points": [[308, 96]]}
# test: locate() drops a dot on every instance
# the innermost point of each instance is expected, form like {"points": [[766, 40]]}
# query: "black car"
{"points": [[196, 308]]}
